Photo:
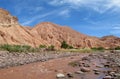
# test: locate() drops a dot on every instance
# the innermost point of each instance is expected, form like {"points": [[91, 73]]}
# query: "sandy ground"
{"points": [[42, 70], [49, 69]]}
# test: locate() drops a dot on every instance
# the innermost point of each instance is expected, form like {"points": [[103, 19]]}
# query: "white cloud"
{"points": [[100, 6], [115, 29], [115, 32], [26, 6], [115, 3], [38, 17], [65, 13], [61, 12]]}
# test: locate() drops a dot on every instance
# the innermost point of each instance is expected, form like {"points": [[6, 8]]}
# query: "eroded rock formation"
{"points": [[11, 32]]}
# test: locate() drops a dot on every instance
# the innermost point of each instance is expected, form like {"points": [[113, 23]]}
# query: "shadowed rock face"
{"points": [[44, 33]]}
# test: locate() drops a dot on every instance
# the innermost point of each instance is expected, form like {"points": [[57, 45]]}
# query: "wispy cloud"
{"points": [[26, 6], [65, 13], [100, 6], [59, 12], [37, 17], [115, 29], [29, 10]]}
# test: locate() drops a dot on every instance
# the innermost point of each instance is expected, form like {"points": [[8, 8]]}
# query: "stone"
{"points": [[79, 72], [85, 58], [70, 75], [96, 71], [86, 65], [60, 75], [117, 75], [108, 77], [112, 73], [84, 69], [99, 66], [107, 65]]}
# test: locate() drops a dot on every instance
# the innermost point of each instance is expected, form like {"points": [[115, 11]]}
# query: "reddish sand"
{"points": [[49, 69], [40, 70]]}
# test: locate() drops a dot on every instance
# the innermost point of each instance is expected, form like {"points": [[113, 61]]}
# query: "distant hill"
{"points": [[46, 33]]}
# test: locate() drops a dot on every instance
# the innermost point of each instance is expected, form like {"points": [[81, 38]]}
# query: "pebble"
{"points": [[60, 75], [86, 65], [84, 69], [108, 77], [96, 71], [99, 66], [70, 75], [117, 75], [79, 72]]}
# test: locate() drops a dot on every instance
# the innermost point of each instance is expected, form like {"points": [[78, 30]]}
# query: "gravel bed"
{"points": [[14, 59]]}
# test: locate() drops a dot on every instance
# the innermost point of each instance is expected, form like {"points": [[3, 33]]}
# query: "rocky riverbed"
{"points": [[15, 59], [98, 66], [68, 66]]}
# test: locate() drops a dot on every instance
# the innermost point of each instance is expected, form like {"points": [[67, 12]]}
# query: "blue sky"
{"points": [[91, 17]]}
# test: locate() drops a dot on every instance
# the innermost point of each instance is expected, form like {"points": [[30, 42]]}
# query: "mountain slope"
{"points": [[11, 32], [111, 40], [55, 34]]}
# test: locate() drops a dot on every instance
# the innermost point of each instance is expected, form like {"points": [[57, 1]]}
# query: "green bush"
{"points": [[117, 48], [65, 45], [42, 46], [11, 48], [70, 47], [5, 47], [98, 48], [15, 48], [52, 47], [24, 48]]}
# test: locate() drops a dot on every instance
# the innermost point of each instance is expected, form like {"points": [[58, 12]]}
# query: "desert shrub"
{"points": [[65, 45], [11, 48], [15, 48], [5, 47], [86, 50], [98, 48], [117, 48], [25, 48], [70, 47], [51, 48], [42, 46]]}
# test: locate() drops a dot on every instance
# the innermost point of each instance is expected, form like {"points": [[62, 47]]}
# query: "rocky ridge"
{"points": [[11, 32]]}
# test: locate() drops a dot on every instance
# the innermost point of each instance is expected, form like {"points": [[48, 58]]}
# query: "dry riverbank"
{"points": [[69, 66]]}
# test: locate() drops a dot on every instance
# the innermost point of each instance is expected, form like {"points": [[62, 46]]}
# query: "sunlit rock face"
{"points": [[6, 19], [46, 33]]}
